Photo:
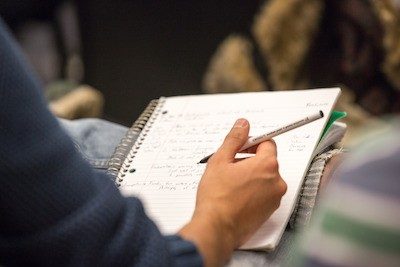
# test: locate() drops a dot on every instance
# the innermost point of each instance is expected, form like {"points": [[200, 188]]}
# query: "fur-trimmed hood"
{"points": [[293, 40], [284, 31]]}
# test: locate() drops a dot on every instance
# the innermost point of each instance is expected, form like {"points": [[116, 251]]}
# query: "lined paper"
{"points": [[187, 128]]}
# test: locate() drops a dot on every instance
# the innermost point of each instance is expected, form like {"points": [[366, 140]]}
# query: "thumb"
{"points": [[234, 140]]}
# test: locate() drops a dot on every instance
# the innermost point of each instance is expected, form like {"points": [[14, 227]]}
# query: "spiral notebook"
{"points": [[157, 160]]}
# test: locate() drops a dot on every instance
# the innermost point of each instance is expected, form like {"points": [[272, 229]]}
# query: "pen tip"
{"points": [[204, 160], [321, 113]]}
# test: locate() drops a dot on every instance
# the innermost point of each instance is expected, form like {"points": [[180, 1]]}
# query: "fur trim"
{"points": [[284, 31], [356, 118], [390, 20], [232, 69]]}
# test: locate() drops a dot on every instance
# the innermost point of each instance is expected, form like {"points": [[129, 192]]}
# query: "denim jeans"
{"points": [[96, 140]]}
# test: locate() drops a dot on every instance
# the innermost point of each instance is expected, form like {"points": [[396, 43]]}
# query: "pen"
{"points": [[255, 140]]}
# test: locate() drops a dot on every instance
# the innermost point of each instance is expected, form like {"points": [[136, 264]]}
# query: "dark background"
{"points": [[135, 51]]}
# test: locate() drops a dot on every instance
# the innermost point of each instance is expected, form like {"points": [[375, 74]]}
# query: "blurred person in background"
{"points": [[300, 44], [49, 34], [357, 222]]}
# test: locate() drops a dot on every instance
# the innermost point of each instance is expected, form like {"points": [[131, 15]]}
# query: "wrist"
{"points": [[213, 237]]}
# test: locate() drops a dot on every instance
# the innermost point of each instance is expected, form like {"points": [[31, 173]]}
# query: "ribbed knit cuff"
{"points": [[184, 253]]}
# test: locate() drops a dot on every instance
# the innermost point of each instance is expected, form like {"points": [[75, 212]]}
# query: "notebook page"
{"points": [[335, 134], [166, 173]]}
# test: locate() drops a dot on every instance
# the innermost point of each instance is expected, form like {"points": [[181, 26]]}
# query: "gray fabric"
{"points": [[301, 215]]}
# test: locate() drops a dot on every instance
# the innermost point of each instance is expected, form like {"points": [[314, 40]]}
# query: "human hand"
{"points": [[234, 197]]}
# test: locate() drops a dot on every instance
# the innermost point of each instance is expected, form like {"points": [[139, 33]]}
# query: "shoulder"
{"points": [[374, 165]]}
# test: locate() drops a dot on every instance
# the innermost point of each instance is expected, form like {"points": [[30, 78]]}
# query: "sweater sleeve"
{"points": [[54, 209]]}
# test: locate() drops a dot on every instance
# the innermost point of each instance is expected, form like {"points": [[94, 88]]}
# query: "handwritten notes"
{"points": [[166, 172]]}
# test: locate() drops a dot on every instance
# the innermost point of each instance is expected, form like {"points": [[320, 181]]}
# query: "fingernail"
{"points": [[241, 123]]}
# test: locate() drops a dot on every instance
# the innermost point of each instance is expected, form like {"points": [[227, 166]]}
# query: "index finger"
{"points": [[266, 149]]}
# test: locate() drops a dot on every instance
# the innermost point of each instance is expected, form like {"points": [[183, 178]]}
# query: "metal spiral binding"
{"points": [[127, 148], [305, 203]]}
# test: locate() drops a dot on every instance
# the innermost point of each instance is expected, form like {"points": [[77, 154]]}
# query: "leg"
{"points": [[95, 139]]}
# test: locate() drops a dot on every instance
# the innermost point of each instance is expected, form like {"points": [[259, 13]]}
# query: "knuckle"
{"points": [[272, 163], [269, 147], [234, 136], [282, 187], [280, 190], [271, 144], [277, 203]]}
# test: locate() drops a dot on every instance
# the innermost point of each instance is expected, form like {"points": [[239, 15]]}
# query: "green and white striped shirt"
{"points": [[357, 223]]}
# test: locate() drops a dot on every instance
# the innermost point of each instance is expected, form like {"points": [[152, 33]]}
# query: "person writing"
{"points": [[55, 210]]}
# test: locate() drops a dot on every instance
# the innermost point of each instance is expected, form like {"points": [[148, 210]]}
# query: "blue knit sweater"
{"points": [[54, 209]]}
